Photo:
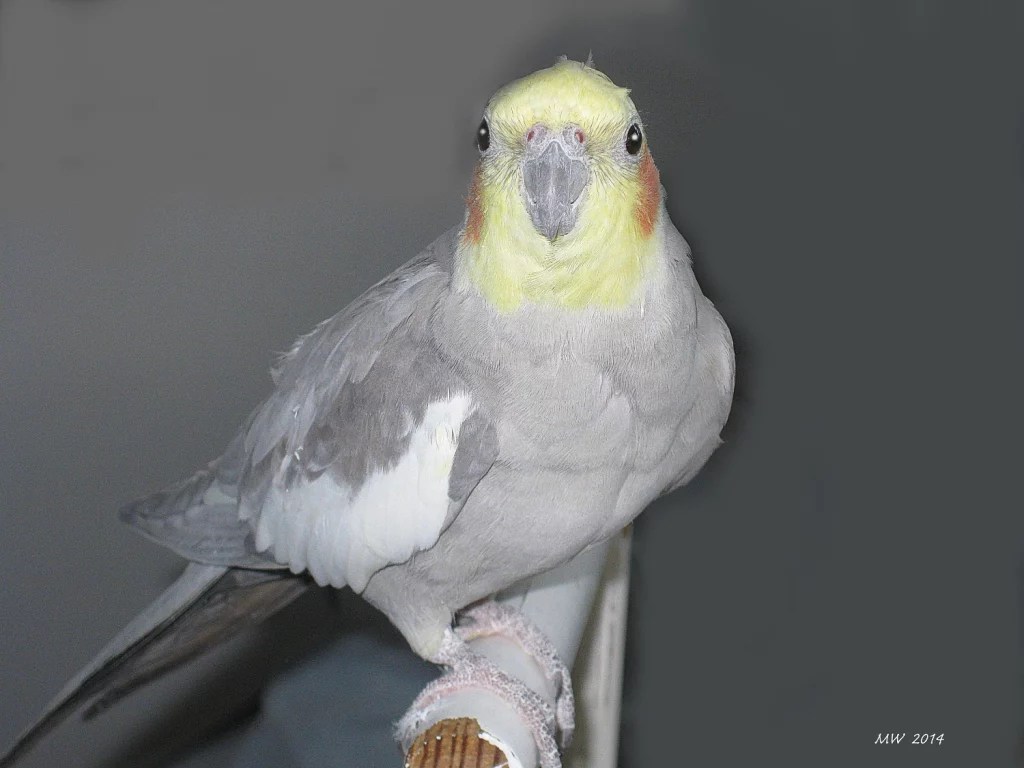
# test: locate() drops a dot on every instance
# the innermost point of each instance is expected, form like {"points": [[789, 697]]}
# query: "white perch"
{"points": [[594, 585]]}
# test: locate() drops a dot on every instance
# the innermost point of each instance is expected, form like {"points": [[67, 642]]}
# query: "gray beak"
{"points": [[555, 173]]}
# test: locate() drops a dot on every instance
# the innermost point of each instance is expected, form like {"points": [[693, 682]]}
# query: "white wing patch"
{"points": [[344, 537]]}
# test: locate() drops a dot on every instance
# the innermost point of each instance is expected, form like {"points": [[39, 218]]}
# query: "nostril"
{"points": [[579, 135], [530, 135]]}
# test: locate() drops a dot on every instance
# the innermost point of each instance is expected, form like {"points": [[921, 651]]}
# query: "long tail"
{"points": [[207, 604]]}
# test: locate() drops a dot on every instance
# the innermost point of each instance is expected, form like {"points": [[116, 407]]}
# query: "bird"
{"points": [[513, 395]]}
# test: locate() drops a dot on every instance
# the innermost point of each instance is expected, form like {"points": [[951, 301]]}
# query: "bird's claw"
{"points": [[491, 618]]}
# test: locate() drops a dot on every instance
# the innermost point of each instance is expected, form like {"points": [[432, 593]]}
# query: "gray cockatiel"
{"points": [[516, 393]]}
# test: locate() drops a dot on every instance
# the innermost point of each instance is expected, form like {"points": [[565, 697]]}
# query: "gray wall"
{"points": [[185, 187]]}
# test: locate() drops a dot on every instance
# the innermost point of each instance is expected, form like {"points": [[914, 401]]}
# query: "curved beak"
{"points": [[555, 173]]}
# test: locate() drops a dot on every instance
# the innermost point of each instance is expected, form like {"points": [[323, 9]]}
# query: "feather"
{"points": [[206, 605]]}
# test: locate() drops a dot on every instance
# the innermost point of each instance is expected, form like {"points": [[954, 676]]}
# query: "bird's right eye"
{"points": [[634, 139], [483, 136]]}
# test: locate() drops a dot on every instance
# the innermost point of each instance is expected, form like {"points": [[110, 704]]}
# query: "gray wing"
{"points": [[372, 439], [360, 457], [716, 378]]}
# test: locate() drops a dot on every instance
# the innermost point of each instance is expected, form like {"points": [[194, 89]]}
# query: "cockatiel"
{"points": [[514, 394]]}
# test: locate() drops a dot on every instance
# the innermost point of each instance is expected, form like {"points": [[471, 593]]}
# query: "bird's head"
{"points": [[565, 199]]}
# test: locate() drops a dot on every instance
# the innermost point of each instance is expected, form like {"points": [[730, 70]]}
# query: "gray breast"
{"points": [[584, 389]]}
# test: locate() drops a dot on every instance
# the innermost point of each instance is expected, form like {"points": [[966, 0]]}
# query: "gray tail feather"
{"points": [[207, 604]]}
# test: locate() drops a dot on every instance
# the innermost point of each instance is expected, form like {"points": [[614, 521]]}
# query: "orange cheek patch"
{"points": [[476, 210], [650, 195]]}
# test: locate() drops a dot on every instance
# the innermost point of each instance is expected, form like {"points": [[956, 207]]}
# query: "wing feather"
{"points": [[351, 462], [356, 460]]}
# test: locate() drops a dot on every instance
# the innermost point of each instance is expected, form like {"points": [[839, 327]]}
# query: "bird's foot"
{"points": [[468, 669], [493, 618]]}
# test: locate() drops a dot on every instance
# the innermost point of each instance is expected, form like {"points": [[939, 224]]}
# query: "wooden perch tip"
{"points": [[454, 743]]}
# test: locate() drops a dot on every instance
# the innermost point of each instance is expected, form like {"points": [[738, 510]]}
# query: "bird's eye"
{"points": [[634, 139], [483, 136]]}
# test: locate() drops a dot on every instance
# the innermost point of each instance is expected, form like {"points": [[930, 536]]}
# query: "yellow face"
{"points": [[565, 198]]}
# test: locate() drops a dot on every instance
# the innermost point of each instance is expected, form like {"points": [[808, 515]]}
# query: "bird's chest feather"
{"points": [[620, 413], [582, 392]]}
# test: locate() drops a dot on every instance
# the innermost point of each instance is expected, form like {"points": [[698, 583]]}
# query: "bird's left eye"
{"points": [[483, 136], [634, 139]]}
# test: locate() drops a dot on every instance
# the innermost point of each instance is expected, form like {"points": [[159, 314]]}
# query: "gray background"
{"points": [[186, 186]]}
